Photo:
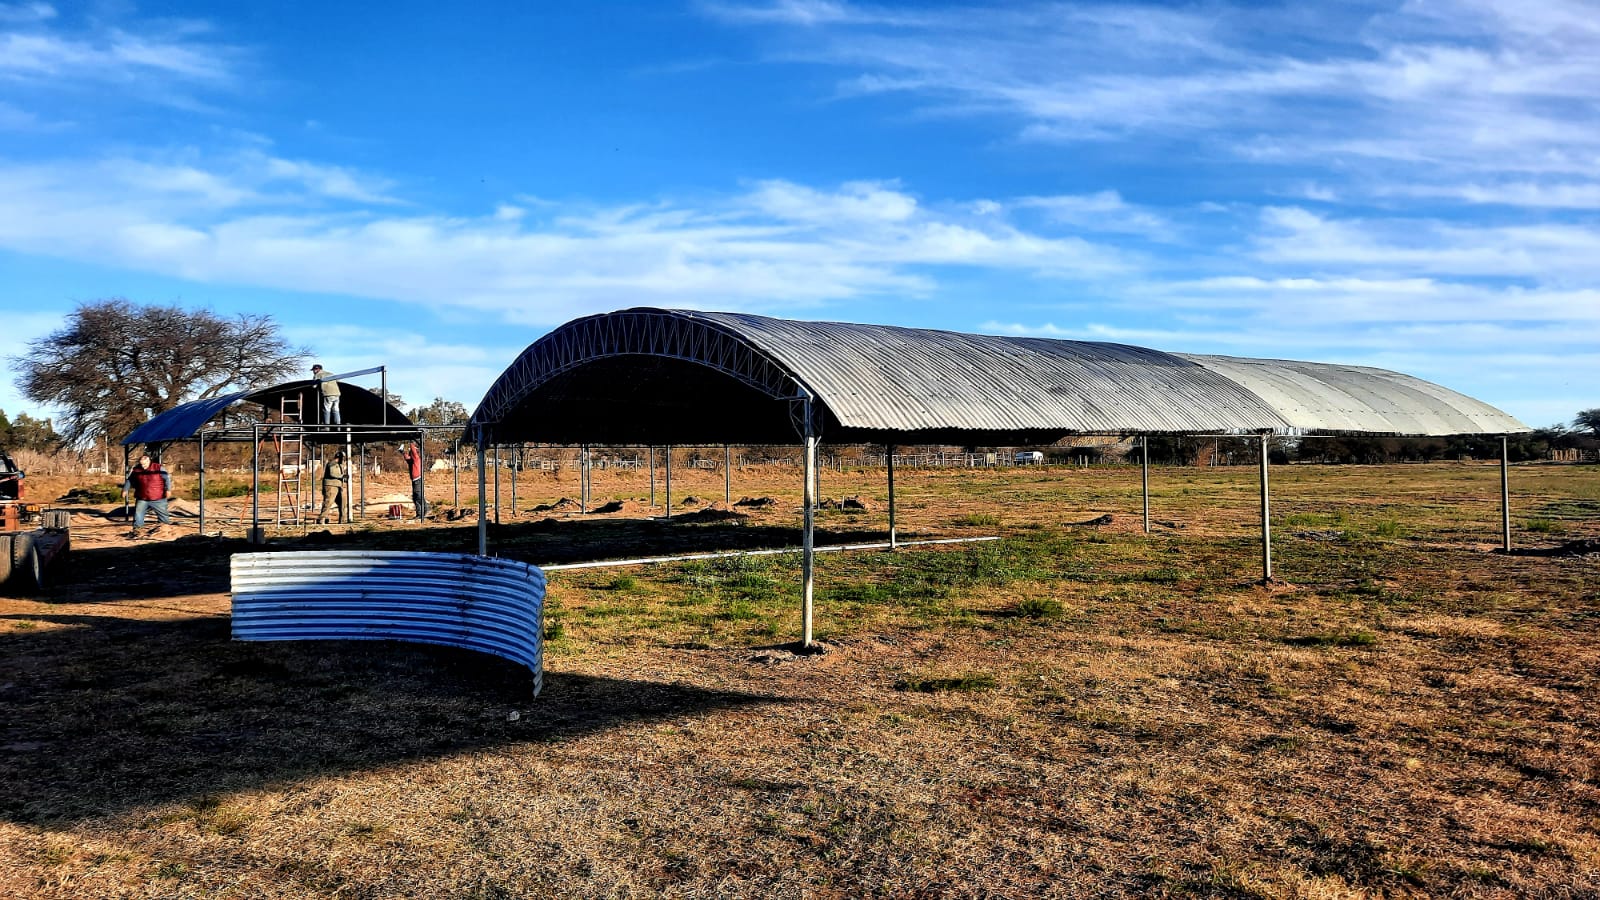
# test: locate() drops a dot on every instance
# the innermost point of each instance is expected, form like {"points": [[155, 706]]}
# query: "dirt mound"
{"points": [[690, 500], [613, 506], [565, 504], [755, 502], [1096, 522], [850, 503]]}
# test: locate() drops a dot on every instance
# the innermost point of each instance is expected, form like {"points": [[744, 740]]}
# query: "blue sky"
{"points": [[1412, 185]]}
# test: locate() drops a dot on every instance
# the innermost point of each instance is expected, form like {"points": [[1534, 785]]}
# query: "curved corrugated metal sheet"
{"points": [[493, 606], [900, 383]]}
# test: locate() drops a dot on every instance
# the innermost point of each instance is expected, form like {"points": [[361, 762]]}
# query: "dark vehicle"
{"points": [[24, 553]]}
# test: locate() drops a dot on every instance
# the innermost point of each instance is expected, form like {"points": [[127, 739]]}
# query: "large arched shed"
{"points": [[654, 376]]}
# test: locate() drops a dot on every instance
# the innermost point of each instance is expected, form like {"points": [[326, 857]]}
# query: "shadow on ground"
{"points": [[196, 565], [111, 714]]}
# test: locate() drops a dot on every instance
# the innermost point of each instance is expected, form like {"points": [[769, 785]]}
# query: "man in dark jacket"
{"points": [[150, 486], [333, 479]]}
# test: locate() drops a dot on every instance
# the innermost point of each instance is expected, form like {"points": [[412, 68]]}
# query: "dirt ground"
{"points": [[1071, 711]]}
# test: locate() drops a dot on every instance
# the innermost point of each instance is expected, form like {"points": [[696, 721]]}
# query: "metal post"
{"points": [[808, 537], [1266, 516], [727, 477], [383, 387], [422, 458], [669, 481], [361, 451], [1505, 495], [888, 455], [255, 479], [344, 489], [497, 484], [652, 477], [583, 478], [1144, 466], [483, 504], [455, 473], [202, 483]]}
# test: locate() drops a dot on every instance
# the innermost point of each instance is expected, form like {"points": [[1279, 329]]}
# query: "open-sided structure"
{"points": [[289, 418], [670, 376]]}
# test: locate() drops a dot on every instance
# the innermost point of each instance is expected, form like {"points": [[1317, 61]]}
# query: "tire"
{"points": [[23, 566]]}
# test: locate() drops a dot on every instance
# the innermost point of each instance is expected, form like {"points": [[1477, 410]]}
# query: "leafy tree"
{"points": [[117, 363], [28, 433], [1588, 420], [441, 412]]}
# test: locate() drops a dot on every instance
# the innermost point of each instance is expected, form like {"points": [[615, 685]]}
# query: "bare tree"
{"points": [[117, 363]]}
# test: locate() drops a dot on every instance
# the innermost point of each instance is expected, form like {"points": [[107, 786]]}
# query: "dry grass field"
{"points": [[1068, 712]]}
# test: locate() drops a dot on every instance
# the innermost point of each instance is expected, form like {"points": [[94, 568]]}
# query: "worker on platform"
{"points": [[329, 392]]}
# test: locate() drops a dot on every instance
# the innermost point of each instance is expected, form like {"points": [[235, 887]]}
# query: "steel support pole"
{"points": [[497, 484], [516, 469], [583, 478], [669, 481], [255, 479], [652, 477], [202, 483], [483, 503], [1266, 515], [455, 473], [1505, 495], [361, 451], [1144, 472], [422, 455], [727, 477], [808, 538], [344, 489], [888, 456]]}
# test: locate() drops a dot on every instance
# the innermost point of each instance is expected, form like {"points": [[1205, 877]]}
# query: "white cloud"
{"points": [[1104, 211], [26, 13], [778, 243]]}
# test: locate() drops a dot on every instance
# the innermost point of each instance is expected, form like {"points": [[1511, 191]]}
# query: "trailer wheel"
{"points": [[22, 566]]}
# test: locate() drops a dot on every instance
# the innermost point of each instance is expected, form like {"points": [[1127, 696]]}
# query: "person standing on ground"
{"points": [[330, 396], [150, 485], [414, 464], [333, 476]]}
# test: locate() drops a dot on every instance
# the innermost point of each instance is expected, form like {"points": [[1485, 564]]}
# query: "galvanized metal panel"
{"points": [[1360, 399], [493, 606], [909, 380]]}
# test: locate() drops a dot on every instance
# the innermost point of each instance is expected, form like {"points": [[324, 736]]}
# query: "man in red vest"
{"points": [[414, 463], [150, 485]]}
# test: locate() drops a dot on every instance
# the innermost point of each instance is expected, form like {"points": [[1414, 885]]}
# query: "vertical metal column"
{"points": [[669, 481], [516, 469], [361, 451], [422, 457], [652, 476], [1144, 471], [888, 456], [202, 482], [583, 478], [1266, 516], [808, 537], [455, 473], [1505, 495], [255, 479], [483, 503], [727, 477], [497, 484], [344, 489]]}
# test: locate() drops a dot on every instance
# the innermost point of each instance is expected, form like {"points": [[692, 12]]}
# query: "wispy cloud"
{"points": [[1473, 86]]}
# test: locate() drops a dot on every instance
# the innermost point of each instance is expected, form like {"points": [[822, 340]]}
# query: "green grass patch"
{"points": [[924, 684], [1040, 608], [977, 520], [219, 488], [1544, 526], [1356, 638]]}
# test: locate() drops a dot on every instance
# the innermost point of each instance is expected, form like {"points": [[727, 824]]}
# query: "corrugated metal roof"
{"points": [[905, 381]]}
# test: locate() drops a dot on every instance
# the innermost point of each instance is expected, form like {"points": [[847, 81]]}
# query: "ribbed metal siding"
{"points": [[493, 606]]}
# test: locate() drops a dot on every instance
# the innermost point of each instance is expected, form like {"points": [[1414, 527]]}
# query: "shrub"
{"points": [[1039, 608]]}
